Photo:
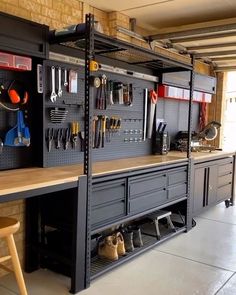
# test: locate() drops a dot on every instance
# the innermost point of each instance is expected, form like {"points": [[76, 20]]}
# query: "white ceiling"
{"points": [[157, 14]]}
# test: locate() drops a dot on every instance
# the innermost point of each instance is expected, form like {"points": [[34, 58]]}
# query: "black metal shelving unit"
{"points": [[94, 44]]}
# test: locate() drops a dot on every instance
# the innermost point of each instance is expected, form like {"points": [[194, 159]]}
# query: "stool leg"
{"points": [[170, 223], [157, 229], [16, 264]]}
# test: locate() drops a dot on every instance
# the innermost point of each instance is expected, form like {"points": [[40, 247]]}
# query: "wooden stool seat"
{"points": [[9, 226]]}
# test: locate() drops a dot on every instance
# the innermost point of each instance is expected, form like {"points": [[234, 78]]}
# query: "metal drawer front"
{"points": [[148, 201], [145, 185], [224, 180], [177, 191], [107, 213], [224, 192], [108, 192], [226, 168], [177, 177]]}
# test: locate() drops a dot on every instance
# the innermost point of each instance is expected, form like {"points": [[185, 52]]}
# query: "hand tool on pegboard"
{"points": [[110, 92], [50, 137], [128, 94], [59, 138], [103, 128], [53, 96], [108, 130], [1, 145], [81, 136], [59, 90], [75, 129], [152, 108], [67, 138], [145, 104], [65, 78], [97, 134], [19, 135], [101, 99]]}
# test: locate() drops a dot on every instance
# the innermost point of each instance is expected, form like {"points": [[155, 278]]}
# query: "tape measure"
{"points": [[94, 67]]}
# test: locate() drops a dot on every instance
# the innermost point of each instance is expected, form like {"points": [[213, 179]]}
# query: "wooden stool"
{"points": [[8, 226]]}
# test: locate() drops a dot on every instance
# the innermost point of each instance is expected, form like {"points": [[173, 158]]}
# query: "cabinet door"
{"points": [[212, 184], [199, 189], [205, 83]]}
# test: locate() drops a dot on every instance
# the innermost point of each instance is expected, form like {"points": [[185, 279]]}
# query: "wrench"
{"points": [[53, 96], [65, 78], [59, 92]]}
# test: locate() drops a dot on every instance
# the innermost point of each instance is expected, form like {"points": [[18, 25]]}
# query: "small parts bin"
{"points": [[15, 62]]}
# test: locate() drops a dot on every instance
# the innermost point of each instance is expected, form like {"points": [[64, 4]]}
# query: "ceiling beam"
{"points": [[205, 37], [195, 32], [223, 58], [210, 46], [215, 53], [225, 69]]}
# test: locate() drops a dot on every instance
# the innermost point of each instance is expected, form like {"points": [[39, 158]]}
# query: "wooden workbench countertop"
{"points": [[20, 180]]}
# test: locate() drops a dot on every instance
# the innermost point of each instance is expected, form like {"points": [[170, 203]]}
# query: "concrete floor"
{"points": [[201, 262]]}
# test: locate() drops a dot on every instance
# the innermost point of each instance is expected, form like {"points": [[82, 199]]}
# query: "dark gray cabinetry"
{"points": [[213, 183], [202, 83], [146, 192], [115, 200], [205, 83], [225, 180], [108, 202], [22, 36]]}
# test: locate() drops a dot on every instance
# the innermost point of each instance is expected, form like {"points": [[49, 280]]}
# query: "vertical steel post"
{"points": [[89, 56], [190, 163]]}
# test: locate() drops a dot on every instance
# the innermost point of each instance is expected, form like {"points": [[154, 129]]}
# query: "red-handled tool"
{"points": [[152, 106]]}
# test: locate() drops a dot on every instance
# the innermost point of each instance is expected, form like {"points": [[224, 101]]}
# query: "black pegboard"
{"points": [[175, 113], [73, 103], [125, 143], [14, 157]]}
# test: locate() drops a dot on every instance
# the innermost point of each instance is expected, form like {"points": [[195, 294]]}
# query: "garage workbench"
{"points": [[110, 178]]}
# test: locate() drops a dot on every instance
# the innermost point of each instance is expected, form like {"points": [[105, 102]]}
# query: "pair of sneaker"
{"points": [[111, 247]]}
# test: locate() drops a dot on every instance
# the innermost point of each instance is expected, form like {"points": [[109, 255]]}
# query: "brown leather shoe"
{"points": [[120, 244], [108, 248]]}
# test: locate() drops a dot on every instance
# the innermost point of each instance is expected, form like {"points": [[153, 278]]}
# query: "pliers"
{"points": [[67, 138], [59, 138]]}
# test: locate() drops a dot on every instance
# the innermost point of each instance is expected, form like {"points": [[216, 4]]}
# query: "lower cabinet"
{"points": [[115, 199], [128, 205], [213, 183], [108, 202]]}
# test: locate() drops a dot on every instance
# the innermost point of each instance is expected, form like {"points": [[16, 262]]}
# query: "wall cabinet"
{"points": [[202, 83], [213, 183]]}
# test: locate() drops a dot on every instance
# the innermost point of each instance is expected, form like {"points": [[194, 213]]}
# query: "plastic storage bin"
{"points": [[15, 62]]}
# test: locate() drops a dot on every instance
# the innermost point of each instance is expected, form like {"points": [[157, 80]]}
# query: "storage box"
{"points": [[23, 63], [15, 62]]}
